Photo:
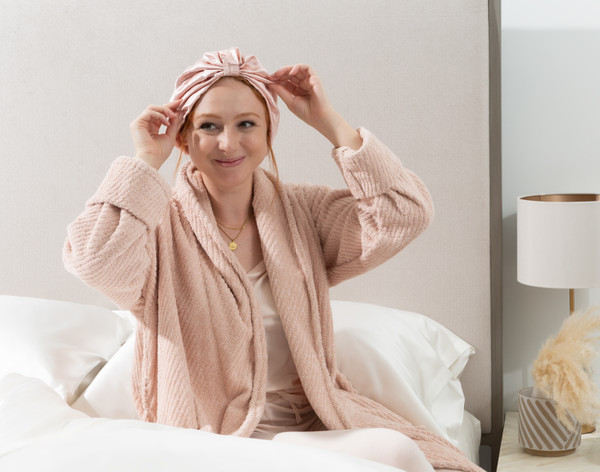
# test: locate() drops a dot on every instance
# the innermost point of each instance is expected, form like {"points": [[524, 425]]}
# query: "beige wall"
{"points": [[74, 74]]}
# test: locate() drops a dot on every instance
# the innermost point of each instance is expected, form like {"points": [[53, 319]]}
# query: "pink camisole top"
{"points": [[287, 408]]}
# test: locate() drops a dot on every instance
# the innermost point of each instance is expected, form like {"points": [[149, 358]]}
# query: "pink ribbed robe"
{"points": [[200, 353]]}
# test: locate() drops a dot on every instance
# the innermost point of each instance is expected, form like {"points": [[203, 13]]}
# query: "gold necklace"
{"points": [[229, 227], [233, 244]]}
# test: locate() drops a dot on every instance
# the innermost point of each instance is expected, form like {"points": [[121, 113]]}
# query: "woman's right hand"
{"points": [[150, 146]]}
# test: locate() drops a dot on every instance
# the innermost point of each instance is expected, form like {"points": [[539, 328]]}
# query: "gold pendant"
{"points": [[232, 246]]}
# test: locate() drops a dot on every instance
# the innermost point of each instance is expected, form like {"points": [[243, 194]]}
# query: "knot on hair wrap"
{"points": [[197, 79], [230, 69]]}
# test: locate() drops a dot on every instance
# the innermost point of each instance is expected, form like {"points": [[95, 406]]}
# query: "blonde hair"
{"points": [[272, 162]]}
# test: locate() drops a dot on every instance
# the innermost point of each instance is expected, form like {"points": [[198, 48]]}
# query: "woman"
{"points": [[228, 274]]}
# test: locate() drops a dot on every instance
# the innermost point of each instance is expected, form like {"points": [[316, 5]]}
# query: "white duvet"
{"points": [[40, 432]]}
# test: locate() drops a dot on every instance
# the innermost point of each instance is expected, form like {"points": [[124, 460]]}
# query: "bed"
{"points": [[424, 78], [65, 386]]}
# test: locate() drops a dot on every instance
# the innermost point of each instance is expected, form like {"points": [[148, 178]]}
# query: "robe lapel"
{"points": [[290, 276], [290, 270], [196, 205]]}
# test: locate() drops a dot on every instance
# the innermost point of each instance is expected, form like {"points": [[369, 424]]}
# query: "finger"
{"points": [[172, 130], [295, 73], [287, 96], [174, 105], [173, 115], [281, 71], [168, 109], [302, 71], [165, 110], [152, 116], [295, 88], [287, 91], [303, 77], [295, 80], [294, 70], [294, 83], [286, 73]]}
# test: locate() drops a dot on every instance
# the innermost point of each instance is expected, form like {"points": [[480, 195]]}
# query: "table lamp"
{"points": [[558, 242]]}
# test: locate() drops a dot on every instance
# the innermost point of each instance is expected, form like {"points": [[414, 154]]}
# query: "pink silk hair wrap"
{"points": [[197, 79]]}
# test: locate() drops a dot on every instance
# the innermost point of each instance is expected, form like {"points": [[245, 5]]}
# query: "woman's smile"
{"points": [[230, 162]]}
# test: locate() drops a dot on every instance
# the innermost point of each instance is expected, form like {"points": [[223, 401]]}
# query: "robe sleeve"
{"points": [[385, 207], [110, 245]]}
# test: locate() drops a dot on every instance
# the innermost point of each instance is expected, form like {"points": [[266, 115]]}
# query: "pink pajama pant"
{"points": [[289, 418]]}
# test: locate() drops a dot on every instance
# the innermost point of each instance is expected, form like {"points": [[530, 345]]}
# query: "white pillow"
{"points": [[110, 394], [405, 361], [61, 343]]}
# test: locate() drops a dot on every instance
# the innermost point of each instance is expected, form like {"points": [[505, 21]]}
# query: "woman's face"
{"points": [[227, 140]]}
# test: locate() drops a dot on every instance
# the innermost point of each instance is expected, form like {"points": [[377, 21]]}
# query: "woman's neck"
{"points": [[231, 207]]}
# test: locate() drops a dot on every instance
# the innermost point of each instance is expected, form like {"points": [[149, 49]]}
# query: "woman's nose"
{"points": [[227, 140]]}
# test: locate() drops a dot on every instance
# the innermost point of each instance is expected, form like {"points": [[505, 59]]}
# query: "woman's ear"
{"points": [[181, 143]]}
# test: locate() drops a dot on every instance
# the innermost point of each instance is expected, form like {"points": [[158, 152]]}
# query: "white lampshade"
{"points": [[558, 240]]}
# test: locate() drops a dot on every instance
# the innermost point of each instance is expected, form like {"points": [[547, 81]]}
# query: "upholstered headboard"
{"points": [[423, 75]]}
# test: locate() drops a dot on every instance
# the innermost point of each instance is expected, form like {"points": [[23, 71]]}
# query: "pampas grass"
{"points": [[563, 367]]}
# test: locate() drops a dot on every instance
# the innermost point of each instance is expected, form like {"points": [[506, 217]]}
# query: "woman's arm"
{"points": [[110, 245], [385, 207], [302, 91]]}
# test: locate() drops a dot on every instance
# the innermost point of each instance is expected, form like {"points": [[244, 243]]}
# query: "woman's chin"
{"points": [[233, 181]]}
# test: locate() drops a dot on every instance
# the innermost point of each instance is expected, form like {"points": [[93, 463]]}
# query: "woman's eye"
{"points": [[246, 124], [208, 126]]}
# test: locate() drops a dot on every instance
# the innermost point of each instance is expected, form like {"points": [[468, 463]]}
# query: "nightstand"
{"points": [[512, 458]]}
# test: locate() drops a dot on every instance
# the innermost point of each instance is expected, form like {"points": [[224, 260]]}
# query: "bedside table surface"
{"points": [[513, 459]]}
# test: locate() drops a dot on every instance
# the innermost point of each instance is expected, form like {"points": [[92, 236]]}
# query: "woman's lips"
{"points": [[229, 162]]}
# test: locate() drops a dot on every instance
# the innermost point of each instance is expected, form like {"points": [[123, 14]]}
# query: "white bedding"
{"points": [[40, 432], [403, 360], [469, 437]]}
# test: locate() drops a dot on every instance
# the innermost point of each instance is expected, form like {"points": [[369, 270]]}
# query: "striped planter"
{"points": [[540, 432]]}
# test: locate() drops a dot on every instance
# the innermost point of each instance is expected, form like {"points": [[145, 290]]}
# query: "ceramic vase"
{"points": [[540, 431]]}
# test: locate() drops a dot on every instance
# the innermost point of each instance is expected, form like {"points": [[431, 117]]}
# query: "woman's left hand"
{"points": [[302, 91]]}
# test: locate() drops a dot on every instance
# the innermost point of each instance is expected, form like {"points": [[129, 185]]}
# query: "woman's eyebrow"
{"points": [[213, 116]]}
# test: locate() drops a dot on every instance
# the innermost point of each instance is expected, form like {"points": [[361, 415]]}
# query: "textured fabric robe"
{"points": [[201, 359]]}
